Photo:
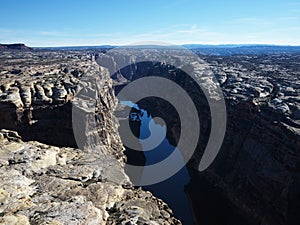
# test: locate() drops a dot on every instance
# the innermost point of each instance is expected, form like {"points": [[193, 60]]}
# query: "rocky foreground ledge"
{"points": [[42, 184], [46, 184]]}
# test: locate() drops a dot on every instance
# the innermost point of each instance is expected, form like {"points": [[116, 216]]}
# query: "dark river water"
{"points": [[193, 200], [171, 190]]}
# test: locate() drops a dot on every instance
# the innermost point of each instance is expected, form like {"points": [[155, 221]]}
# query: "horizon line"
{"points": [[156, 44], [184, 44]]}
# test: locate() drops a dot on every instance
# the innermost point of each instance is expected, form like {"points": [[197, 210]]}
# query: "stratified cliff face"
{"points": [[259, 161], [35, 93], [258, 165], [45, 183]]}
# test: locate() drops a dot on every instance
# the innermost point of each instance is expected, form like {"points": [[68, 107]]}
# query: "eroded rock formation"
{"points": [[42, 184], [257, 168], [51, 184]]}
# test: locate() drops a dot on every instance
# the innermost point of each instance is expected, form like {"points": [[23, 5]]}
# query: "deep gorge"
{"points": [[193, 198], [255, 173], [255, 177]]}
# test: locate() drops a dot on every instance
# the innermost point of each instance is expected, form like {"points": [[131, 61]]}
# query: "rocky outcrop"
{"points": [[259, 161], [25, 95], [42, 184], [36, 101], [52, 182]]}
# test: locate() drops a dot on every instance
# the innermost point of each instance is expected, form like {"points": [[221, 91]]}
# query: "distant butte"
{"points": [[14, 47]]}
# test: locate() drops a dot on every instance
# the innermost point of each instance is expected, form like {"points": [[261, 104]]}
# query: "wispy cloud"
{"points": [[175, 34], [183, 33], [73, 33]]}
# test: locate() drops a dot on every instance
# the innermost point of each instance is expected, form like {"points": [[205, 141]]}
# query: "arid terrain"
{"points": [[55, 173]]}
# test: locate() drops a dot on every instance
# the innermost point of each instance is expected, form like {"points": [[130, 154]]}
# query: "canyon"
{"points": [[68, 160], [257, 168]]}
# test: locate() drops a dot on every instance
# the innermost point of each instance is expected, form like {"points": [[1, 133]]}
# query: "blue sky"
{"points": [[98, 22]]}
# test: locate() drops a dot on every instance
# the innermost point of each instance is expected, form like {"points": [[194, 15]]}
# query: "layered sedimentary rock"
{"points": [[257, 168], [44, 97], [35, 93], [259, 161], [42, 184]]}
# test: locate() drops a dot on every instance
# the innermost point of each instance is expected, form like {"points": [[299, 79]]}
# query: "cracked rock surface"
{"points": [[42, 184]]}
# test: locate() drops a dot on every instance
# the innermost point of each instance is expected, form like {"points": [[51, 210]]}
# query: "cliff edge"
{"points": [[61, 181]]}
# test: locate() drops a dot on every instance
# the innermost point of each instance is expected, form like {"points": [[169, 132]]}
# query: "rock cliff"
{"points": [[257, 168], [63, 180]]}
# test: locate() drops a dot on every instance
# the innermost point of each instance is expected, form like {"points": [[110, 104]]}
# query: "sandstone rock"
{"points": [[41, 96], [59, 92], [44, 184], [26, 97], [48, 90], [82, 189], [13, 96], [14, 220]]}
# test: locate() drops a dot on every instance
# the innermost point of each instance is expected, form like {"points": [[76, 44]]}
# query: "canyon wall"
{"points": [[61, 158], [257, 168]]}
